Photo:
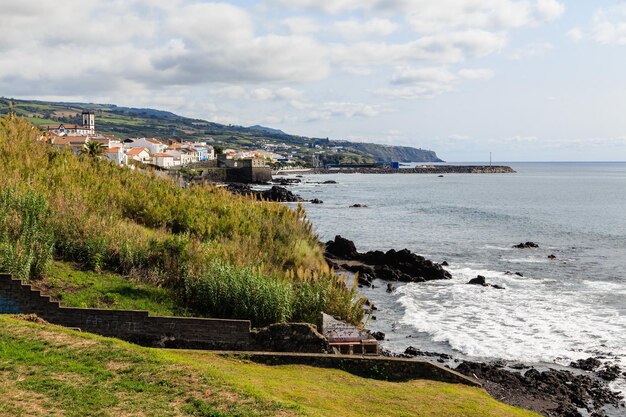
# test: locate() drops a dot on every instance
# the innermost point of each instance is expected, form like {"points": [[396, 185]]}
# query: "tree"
{"points": [[218, 149], [92, 149]]}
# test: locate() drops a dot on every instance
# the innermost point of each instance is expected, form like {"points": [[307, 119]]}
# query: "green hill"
{"points": [[49, 370], [128, 122], [218, 254]]}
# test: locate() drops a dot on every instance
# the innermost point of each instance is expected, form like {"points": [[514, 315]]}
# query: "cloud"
{"points": [[301, 25], [531, 50], [575, 34], [609, 25], [337, 109], [355, 29], [428, 82], [448, 48], [427, 16], [145, 44], [549, 10]]}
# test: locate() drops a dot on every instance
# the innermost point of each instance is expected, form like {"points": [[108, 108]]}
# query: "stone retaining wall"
{"points": [[134, 326], [388, 369]]}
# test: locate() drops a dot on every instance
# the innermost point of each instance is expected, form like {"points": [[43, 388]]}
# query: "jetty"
{"points": [[420, 169]]}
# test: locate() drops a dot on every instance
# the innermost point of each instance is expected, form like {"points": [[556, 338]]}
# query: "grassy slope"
{"points": [[76, 287], [48, 370], [219, 254]]}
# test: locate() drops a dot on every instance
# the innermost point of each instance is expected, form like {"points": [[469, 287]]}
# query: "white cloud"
{"points": [[427, 16], [448, 48], [532, 50], [548, 10], [337, 109], [428, 82], [301, 25], [476, 73], [609, 25], [575, 34], [355, 29]]}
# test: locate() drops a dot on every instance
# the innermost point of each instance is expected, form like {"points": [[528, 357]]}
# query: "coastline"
{"points": [[521, 382], [548, 389]]}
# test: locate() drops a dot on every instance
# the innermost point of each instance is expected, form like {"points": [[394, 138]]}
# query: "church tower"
{"points": [[89, 121]]}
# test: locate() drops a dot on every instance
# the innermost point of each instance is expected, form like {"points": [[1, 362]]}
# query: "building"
{"points": [[163, 160], [245, 170], [116, 155], [138, 154], [154, 146], [65, 129]]}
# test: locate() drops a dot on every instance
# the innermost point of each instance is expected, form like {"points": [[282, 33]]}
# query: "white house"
{"points": [[163, 160], [138, 154], [116, 155], [154, 146]]}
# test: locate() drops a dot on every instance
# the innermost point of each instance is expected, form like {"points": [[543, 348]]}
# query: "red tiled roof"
{"points": [[112, 150], [135, 151], [163, 155]]}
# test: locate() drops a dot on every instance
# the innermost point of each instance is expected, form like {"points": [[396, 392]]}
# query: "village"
{"points": [[163, 154]]}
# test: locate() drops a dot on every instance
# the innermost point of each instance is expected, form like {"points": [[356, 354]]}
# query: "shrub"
{"points": [[26, 238], [242, 293], [225, 255]]}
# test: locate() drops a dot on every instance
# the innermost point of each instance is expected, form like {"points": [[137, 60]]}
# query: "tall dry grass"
{"points": [[212, 247]]}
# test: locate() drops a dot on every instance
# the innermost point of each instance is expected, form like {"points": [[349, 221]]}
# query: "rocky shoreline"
{"points": [[579, 391]]}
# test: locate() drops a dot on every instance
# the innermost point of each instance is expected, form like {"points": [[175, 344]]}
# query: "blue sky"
{"points": [[523, 79]]}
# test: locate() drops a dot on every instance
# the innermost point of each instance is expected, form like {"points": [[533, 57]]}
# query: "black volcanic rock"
{"points": [[341, 248], [392, 265], [527, 245], [609, 372], [378, 335], [316, 201], [358, 206], [280, 194], [551, 393], [589, 364], [276, 193], [479, 280]]}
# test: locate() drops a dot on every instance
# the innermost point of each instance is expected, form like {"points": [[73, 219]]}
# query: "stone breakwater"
{"points": [[422, 169]]}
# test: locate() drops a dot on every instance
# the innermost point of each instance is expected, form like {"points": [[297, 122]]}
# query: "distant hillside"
{"points": [[140, 122], [396, 153], [267, 129]]}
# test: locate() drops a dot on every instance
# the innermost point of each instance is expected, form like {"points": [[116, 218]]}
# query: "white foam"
{"points": [[529, 260], [532, 320]]}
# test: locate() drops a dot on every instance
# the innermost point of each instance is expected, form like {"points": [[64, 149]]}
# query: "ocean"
{"points": [[572, 307]]}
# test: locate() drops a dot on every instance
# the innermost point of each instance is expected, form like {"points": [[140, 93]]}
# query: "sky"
{"points": [[527, 80]]}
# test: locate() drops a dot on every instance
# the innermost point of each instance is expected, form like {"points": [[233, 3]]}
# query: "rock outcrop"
{"points": [[482, 281], [551, 393], [276, 193], [392, 265], [527, 245]]}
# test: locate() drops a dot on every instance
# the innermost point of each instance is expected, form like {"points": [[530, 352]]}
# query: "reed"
{"points": [[107, 217]]}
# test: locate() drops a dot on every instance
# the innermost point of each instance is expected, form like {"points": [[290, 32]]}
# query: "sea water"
{"points": [[560, 310]]}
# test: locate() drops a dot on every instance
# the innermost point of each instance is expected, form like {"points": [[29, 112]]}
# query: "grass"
{"points": [[76, 287], [48, 370], [134, 223]]}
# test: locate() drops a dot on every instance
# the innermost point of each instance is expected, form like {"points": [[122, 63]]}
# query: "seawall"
{"points": [[422, 169]]}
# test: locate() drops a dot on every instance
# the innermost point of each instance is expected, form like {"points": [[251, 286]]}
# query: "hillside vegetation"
{"points": [[128, 122], [49, 370], [221, 255]]}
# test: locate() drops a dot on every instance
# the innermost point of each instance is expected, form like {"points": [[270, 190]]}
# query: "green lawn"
{"points": [[51, 371], [75, 287]]}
